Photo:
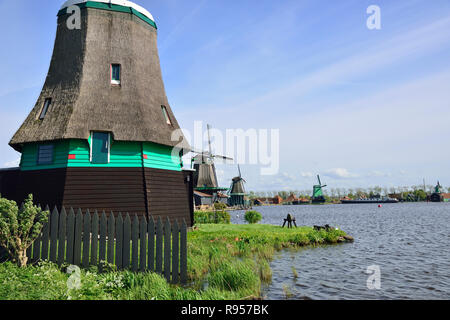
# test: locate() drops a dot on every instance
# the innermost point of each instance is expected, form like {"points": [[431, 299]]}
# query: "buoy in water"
{"points": [[380, 206]]}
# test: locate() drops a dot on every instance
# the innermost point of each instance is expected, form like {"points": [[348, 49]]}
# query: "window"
{"points": [[115, 74], [45, 154], [166, 115], [47, 104], [100, 148]]}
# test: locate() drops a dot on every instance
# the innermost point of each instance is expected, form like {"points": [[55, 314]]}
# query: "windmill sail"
{"points": [[205, 176]]}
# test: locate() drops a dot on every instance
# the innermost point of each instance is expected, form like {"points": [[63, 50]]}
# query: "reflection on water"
{"points": [[409, 242]]}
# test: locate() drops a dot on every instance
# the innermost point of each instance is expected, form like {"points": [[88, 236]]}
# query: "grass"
{"points": [[224, 262]]}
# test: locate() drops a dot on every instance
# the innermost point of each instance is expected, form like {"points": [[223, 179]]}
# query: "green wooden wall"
{"points": [[30, 153], [76, 154]]}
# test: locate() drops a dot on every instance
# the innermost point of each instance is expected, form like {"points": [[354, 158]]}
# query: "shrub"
{"points": [[253, 217], [20, 227], [210, 217], [220, 206]]}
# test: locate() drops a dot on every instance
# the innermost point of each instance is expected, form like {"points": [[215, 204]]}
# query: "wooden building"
{"points": [[277, 200], [99, 136], [202, 199]]}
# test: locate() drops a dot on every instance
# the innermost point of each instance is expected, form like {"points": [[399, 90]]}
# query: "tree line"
{"points": [[418, 192]]}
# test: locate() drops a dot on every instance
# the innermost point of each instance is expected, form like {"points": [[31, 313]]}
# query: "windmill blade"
{"points": [[221, 157], [209, 139], [239, 168], [199, 151], [318, 178]]}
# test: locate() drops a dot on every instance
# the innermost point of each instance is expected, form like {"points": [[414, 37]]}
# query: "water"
{"points": [[410, 242]]}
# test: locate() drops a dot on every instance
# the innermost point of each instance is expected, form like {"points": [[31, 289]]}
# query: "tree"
{"points": [[20, 227]]}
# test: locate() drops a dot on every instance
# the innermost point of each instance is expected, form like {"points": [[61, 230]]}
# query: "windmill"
{"points": [[318, 196], [436, 196], [237, 190], [205, 177]]}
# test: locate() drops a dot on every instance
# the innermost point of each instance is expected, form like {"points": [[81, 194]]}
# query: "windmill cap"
{"points": [[124, 3]]}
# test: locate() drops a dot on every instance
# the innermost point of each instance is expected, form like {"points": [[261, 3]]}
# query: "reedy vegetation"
{"points": [[224, 262]]}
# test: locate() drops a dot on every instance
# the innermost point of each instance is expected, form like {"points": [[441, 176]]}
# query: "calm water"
{"points": [[409, 242]]}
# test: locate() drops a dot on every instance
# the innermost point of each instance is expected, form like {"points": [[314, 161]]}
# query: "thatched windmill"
{"points": [[318, 196], [99, 136], [205, 177], [237, 191]]}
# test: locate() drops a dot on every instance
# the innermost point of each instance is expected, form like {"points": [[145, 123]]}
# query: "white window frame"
{"points": [[91, 142], [166, 115]]}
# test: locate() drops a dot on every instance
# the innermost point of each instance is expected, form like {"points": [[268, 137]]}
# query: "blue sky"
{"points": [[361, 107]]}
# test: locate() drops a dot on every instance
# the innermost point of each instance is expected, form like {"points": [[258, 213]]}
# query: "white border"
{"points": [[124, 3]]}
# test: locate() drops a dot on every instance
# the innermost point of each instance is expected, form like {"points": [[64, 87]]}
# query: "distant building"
{"points": [[222, 198], [291, 198], [397, 196], [268, 201], [202, 199], [277, 200]]}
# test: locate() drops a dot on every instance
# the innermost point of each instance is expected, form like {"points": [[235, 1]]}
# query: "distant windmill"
{"points": [[205, 177], [237, 190], [436, 196], [318, 196]]}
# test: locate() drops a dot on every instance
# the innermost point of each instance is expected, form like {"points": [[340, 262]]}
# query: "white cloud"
{"points": [[12, 164], [307, 174], [340, 173], [377, 173]]}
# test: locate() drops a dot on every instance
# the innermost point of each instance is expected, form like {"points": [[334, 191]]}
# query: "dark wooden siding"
{"points": [[160, 193], [169, 193], [47, 186], [9, 180], [106, 189]]}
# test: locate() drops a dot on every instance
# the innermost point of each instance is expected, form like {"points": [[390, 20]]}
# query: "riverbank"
{"points": [[224, 262]]}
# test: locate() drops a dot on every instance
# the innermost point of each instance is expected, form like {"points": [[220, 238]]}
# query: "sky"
{"points": [[359, 107]]}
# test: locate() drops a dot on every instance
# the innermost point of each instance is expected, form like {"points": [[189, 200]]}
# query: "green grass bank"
{"points": [[224, 262]]}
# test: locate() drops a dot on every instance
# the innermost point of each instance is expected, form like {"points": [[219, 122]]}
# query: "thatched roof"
{"points": [[237, 186], [83, 98]]}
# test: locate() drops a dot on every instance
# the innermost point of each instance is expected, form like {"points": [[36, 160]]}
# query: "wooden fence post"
{"points": [[175, 252], [151, 244], [54, 224], [183, 253], [167, 249], [143, 245], [103, 233], [86, 238], [77, 238], [126, 242], [70, 236], [45, 236], [94, 238], [111, 235], [159, 246], [135, 244], [119, 241], [62, 236]]}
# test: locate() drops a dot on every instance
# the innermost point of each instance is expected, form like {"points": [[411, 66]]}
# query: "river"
{"points": [[408, 243]]}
